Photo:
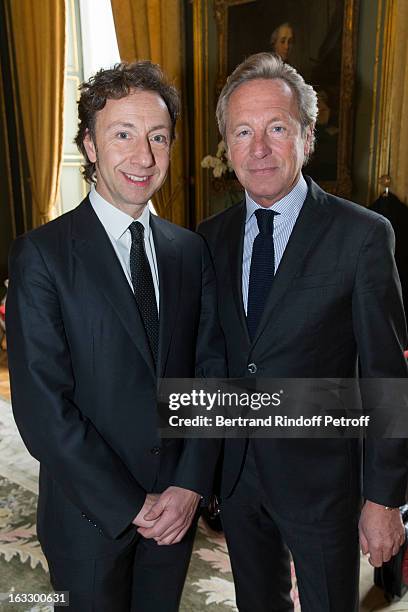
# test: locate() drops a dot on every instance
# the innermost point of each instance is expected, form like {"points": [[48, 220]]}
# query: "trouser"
{"points": [[143, 577], [325, 554]]}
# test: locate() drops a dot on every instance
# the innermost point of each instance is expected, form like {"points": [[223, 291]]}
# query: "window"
{"points": [[91, 45]]}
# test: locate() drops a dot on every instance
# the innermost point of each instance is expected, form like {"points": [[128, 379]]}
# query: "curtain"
{"points": [[7, 218], [399, 105], [152, 29], [38, 31]]}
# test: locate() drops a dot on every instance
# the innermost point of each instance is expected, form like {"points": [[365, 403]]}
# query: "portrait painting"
{"points": [[317, 37]]}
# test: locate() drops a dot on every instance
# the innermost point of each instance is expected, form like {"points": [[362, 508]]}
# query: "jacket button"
{"points": [[156, 450], [252, 368]]}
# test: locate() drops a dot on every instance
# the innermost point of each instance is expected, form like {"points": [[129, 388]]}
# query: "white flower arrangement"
{"points": [[219, 163]]}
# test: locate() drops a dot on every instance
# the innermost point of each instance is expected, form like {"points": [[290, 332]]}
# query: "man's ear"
{"points": [[90, 147], [227, 150], [308, 140]]}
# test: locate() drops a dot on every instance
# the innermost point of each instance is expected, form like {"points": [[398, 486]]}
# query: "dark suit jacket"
{"points": [[335, 300], [82, 377]]}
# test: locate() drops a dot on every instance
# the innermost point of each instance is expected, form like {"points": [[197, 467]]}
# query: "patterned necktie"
{"points": [[262, 269], [142, 282]]}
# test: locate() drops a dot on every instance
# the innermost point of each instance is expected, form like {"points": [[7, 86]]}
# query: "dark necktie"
{"points": [[142, 282], [262, 269]]}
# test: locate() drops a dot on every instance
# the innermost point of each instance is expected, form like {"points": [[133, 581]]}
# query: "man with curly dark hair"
{"points": [[102, 302]]}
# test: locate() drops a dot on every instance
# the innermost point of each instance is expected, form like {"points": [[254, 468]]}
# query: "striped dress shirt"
{"points": [[288, 208]]}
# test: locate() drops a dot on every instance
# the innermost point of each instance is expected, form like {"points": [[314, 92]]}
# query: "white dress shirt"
{"points": [[116, 224], [288, 208]]}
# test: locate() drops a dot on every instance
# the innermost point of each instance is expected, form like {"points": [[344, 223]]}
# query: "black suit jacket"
{"points": [[335, 301], [82, 377]]}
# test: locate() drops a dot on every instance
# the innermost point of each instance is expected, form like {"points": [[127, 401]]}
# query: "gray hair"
{"points": [[270, 66], [274, 35]]}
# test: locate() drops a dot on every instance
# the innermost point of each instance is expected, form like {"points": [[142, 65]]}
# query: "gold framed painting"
{"points": [[318, 37]]}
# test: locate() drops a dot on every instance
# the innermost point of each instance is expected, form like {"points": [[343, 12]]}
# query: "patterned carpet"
{"points": [[23, 567]]}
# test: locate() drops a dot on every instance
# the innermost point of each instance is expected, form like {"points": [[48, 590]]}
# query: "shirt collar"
{"points": [[291, 202], [115, 221]]}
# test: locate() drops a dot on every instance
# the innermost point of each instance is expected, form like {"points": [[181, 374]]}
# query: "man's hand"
{"points": [[382, 532], [140, 520], [172, 515]]}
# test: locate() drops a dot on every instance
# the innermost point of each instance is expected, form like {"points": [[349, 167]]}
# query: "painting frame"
{"points": [[220, 12]]}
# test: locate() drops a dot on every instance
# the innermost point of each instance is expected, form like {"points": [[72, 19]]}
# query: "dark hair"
{"points": [[116, 83]]}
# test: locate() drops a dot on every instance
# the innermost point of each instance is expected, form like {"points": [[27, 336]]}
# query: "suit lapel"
{"points": [[169, 265], [235, 232], [93, 248], [311, 223]]}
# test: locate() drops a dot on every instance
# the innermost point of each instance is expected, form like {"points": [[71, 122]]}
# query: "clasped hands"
{"points": [[166, 517]]}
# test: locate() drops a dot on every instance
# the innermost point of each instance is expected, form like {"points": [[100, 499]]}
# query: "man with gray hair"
{"points": [[307, 288], [282, 39]]}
